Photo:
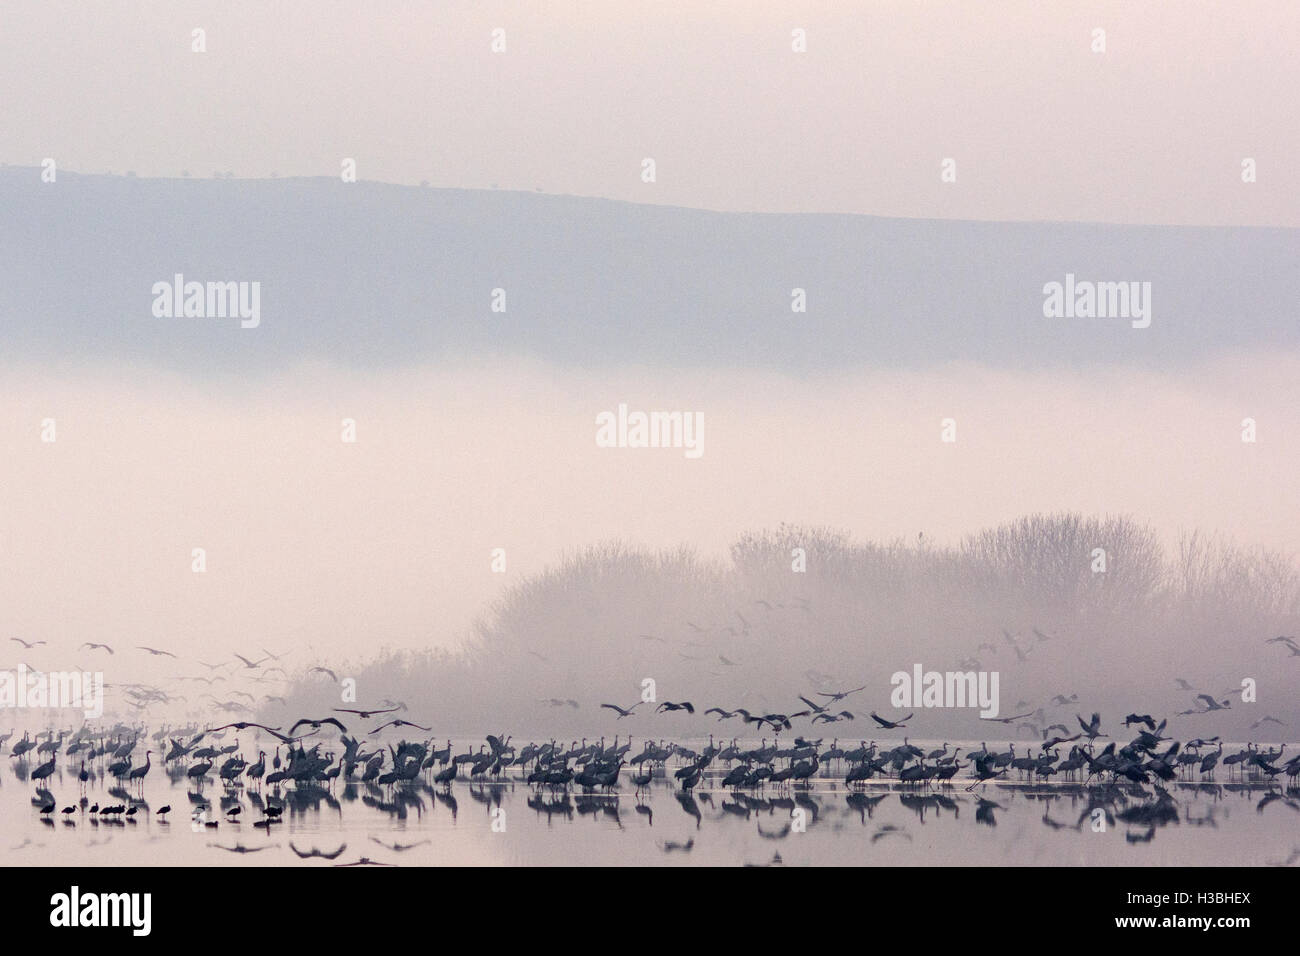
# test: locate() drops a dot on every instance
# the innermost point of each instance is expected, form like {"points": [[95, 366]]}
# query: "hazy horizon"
{"points": [[1042, 126], [313, 540]]}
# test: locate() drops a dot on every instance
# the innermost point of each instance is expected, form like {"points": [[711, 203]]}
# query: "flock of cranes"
{"points": [[775, 752], [199, 755], [1132, 778]]}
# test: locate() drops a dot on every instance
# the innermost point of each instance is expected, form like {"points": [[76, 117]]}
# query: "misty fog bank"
{"points": [[340, 549], [1024, 598]]}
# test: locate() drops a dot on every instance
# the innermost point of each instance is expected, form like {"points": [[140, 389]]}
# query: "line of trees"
{"points": [[753, 631]]}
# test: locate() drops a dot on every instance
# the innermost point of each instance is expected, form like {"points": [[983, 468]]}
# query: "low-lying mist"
{"points": [[1023, 598], [375, 557]]}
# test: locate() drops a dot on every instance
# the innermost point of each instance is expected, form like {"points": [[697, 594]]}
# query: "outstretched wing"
{"points": [[273, 732]]}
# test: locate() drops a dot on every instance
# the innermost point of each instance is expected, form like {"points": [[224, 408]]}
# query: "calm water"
{"points": [[507, 822]]}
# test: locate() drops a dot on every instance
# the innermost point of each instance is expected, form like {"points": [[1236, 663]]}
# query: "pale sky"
{"points": [[1153, 130]]}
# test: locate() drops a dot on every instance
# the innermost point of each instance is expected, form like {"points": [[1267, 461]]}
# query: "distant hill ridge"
{"points": [[369, 275]]}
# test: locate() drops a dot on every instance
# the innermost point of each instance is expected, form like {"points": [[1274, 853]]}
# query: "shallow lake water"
{"points": [[1228, 821]]}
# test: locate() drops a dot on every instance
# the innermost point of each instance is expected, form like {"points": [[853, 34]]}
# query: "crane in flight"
{"points": [[315, 724], [623, 712], [245, 724], [1267, 720], [891, 724], [1288, 641], [778, 721], [1210, 704], [836, 696], [400, 723], [1092, 728], [685, 705]]}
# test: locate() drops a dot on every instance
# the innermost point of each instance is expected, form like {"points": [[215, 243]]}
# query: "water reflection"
{"points": [[174, 819]]}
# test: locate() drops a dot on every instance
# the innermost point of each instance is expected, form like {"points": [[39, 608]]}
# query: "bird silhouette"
{"points": [[314, 852], [245, 724], [400, 723], [838, 694], [399, 847], [685, 705], [890, 724], [316, 724], [623, 712]]}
